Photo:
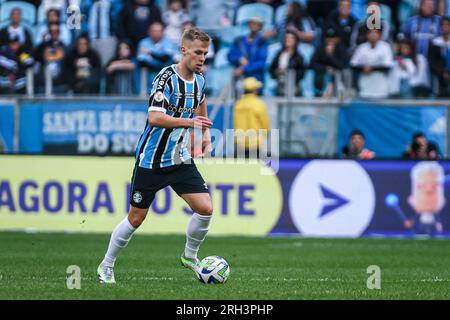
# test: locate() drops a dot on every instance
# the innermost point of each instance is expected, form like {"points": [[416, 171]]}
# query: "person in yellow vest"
{"points": [[251, 121]]}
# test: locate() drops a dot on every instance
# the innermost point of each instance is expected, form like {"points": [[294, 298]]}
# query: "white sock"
{"points": [[196, 233], [119, 239]]}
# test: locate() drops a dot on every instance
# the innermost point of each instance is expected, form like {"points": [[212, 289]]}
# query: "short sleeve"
{"points": [[161, 92]]}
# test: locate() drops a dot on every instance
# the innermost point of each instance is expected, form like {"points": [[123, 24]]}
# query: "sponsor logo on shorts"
{"points": [[137, 197]]}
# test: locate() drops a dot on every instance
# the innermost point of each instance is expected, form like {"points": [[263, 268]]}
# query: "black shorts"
{"points": [[183, 178]]}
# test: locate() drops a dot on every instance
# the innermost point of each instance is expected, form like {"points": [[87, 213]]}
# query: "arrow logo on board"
{"points": [[334, 202]]}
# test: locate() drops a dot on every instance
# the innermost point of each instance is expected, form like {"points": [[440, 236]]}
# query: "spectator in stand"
{"points": [[342, 22], [120, 70], [359, 33], [13, 64], [16, 30], [443, 8], [51, 55], [155, 51], [356, 149], [319, 9], [36, 3], [371, 62], [56, 4], [423, 27], [84, 68], [409, 75], [331, 56], [93, 18], [115, 15], [249, 53], [174, 18], [100, 29], [273, 3], [395, 7], [439, 58], [288, 58], [421, 149], [136, 17], [214, 17], [211, 16], [297, 21], [251, 121], [43, 33]]}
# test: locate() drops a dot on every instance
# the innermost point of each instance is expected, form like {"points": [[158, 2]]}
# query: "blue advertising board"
{"points": [[388, 130], [6, 128], [83, 126], [336, 198]]}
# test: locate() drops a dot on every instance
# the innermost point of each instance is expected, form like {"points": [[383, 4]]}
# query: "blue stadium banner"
{"points": [[101, 127], [6, 128], [93, 127], [340, 198], [389, 130]]}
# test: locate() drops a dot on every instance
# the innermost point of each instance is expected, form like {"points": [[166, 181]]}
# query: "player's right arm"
{"points": [[162, 120]]}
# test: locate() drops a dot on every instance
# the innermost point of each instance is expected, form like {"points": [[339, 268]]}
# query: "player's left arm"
{"points": [[206, 135]]}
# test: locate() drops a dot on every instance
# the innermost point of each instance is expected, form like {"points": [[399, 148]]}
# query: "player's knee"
{"points": [[205, 209], [136, 219]]}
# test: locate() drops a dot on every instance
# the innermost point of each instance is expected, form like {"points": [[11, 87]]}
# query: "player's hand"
{"points": [[201, 122], [206, 144], [206, 148], [195, 145]]}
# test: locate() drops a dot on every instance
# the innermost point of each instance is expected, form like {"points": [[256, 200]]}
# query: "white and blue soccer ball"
{"points": [[214, 270]]}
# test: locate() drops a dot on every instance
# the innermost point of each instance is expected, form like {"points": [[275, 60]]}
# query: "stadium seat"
{"points": [[270, 85], [247, 11], [221, 60], [272, 51], [217, 79], [28, 11], [219, 73], [229, 34], [386, 14], [407, 8], [359, 9], [281, 13], [161, 4], [306, 50], [42, 12], [307, 84]]}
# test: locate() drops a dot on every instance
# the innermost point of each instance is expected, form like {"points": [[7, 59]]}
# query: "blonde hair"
{"points": [[193, 34]]}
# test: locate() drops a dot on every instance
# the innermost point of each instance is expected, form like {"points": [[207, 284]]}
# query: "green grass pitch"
{"points": [[33, 266]]}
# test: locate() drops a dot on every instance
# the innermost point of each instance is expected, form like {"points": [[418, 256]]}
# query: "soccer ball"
{"points": [[215, 270]]}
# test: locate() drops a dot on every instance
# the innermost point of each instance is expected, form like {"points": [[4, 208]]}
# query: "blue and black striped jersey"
{"points": [[177, 97]]}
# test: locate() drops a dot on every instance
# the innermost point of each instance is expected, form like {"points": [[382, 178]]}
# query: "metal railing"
{"points": [[283, 108]]}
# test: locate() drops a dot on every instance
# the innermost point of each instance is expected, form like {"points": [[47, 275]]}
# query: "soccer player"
{"points": [[177, 104]]}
